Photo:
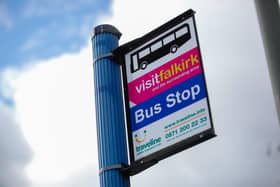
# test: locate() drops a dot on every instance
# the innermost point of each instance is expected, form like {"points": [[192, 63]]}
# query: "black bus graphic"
{"points": [[169, 43]]}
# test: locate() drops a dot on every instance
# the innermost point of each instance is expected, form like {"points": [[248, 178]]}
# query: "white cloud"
{"points": [[86, 177], [54, 105], [135, 18], [8, 80], [15, 152]]}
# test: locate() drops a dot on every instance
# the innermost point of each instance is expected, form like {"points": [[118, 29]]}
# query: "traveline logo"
{"points": [[140, 137], [149, 145]]}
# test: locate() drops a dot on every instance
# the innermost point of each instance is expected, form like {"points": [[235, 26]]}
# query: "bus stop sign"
{"points": [[166, 98]]}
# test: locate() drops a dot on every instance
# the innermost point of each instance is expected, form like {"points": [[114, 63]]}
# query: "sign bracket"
{"points": [[136, 168]]}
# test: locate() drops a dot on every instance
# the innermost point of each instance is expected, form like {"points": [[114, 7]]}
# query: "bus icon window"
{"points": [[156, 46], [144, 52], [135, 62], [169, 43], [181, 32], [168, 39]]}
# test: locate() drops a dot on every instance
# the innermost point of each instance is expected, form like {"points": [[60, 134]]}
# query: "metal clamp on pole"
{"points": [[108, 55], [112, 167]]}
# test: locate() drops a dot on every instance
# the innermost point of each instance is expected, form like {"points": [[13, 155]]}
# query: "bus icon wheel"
{"points": [[173, 48], [143, 65]]}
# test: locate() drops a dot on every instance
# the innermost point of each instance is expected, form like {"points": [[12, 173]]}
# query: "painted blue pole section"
{"points": [[112, 146]]}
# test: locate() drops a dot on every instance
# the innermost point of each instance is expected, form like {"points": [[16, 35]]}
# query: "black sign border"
{"points": [[119, 56]]}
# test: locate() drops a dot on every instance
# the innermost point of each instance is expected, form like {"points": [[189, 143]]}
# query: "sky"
{"points": [[47, 114]]}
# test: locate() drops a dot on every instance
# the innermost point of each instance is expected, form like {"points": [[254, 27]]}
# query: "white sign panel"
{"points": [[167, 98]]}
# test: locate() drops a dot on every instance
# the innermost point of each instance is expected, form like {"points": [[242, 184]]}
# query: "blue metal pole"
{"points": [[112, 146]]}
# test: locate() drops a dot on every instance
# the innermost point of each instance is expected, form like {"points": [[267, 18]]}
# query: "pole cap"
{"points": [[106, 28]]}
